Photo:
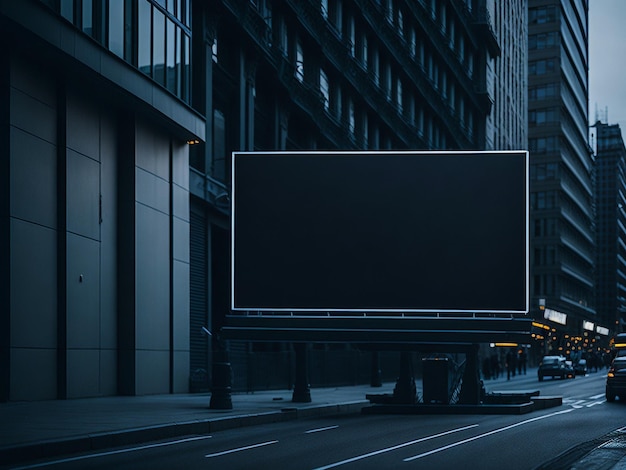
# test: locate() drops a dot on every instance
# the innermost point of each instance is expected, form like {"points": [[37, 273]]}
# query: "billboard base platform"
{"points": [[510, 403], [481, 409]]}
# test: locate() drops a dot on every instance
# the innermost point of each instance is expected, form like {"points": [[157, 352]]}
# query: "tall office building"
{"points": [[561, 226], [610, 201]]}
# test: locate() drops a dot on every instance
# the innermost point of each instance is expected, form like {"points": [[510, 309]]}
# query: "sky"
{"points": [[607, 61]]}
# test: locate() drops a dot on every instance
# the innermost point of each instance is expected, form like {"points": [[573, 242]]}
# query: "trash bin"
{"points": [[435, 371]]}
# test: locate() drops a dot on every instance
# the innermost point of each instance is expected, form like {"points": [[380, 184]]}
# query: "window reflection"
{"points": [[116, 28], [144, 34], [158, 46]]}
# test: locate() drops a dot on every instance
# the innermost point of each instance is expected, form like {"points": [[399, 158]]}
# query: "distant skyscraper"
{"points": [[507, 127], [561, 230], [610, 199]]}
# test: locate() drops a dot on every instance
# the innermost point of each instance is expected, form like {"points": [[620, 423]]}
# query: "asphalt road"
{"points": [[391, 441]]}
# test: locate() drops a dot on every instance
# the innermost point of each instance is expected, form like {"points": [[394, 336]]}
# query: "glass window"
{"points": [[299, 62], [144, 33], [186, 76], [178, 67], [87, 19], [67, 10], [158, 46], [351, 116], [116, 28], [324, 89], [170, 60]]}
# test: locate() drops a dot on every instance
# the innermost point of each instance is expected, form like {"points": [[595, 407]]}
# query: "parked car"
{"points": [[581, 367], [616, 379], [555, 366]]}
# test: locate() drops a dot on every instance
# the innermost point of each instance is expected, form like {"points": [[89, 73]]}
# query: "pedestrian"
{"points": [[510, 364], [521, 361]]}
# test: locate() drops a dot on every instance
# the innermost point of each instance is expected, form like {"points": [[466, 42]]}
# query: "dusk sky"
{"points": [[607, 61]]}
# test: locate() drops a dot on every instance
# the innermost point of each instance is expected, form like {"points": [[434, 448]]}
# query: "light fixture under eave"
{"points": [[193, 142]]}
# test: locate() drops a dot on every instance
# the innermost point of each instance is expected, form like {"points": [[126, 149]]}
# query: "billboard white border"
{"points": [[381, 152]]}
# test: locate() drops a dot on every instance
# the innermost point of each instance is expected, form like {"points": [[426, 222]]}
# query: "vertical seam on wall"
{"points": [[172, 283], [5, 228], [61, 242]]}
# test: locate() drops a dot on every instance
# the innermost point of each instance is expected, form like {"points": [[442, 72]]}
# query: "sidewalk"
{"points": [[30, 430]]}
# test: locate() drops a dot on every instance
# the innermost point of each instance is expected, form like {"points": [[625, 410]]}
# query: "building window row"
{"points": [[543, 92], [543, 116], [152, 35], [541, 145], [546, 227], [542, 15], [544, 171], [543, 40], [544, 285], [541, 67]]}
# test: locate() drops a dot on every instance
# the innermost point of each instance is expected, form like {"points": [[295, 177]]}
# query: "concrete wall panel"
{"points": [[180, 202], [181, 240], [83, 292], [33, 286], [83, 195], [83, 127], [153, 371], [108, 372], [153, 279], [83, 377], [180, 164], [153, 151], [181, 306], [33, 374], [33, 179], [152, 191], [33, 81], [181, 372], [108, 233], [32, 116]]}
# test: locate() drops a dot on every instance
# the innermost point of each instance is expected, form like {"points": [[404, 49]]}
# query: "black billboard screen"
{"points": [[380, 232]]}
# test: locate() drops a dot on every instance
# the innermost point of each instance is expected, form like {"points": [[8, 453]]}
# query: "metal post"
{"points": [[471, 387], [376, 380], [301, 389], [405, 391], [221, 380]]}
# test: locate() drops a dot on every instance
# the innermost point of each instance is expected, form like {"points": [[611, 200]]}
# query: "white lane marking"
{"points": [[480, 436], [595, 403], [327, 428], [595, 397], [113, 452], [239, 449], [389, 449], [575, 403]]}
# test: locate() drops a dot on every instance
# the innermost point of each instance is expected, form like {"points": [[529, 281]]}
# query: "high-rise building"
{"points": [[610, 203], [507, 125], [561, 226]]}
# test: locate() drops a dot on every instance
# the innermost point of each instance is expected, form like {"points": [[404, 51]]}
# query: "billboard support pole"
{"points": [[222, 378], [471, 386], [301, 388], [376, 379], [405, 391]]}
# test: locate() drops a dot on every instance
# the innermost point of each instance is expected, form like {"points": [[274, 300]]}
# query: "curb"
{"points": [[106, 440]]}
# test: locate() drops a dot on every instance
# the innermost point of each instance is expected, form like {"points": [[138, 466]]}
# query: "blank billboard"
{"points": [[380, 232]]}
